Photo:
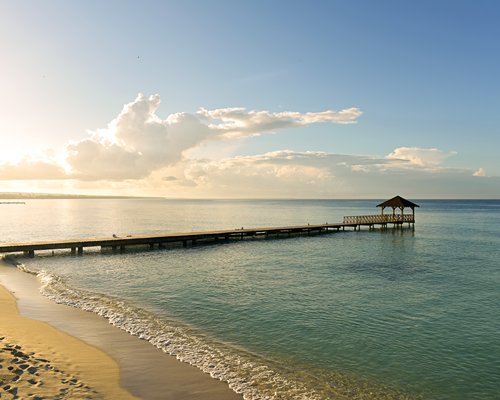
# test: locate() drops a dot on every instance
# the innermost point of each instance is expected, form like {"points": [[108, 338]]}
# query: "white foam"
{"points": [[245, 373]]}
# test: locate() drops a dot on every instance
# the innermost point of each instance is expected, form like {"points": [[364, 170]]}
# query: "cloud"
{"points": [[237, 122], [276, 174], [283, 163], [286, 173], [138, 142], [140, 151], [479, 172], [135, 143], [28, 169], [420, 157], [280, 173]]}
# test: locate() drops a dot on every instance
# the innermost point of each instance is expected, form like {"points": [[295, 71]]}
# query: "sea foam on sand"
{"points": [[145, 371], [39, 360]]}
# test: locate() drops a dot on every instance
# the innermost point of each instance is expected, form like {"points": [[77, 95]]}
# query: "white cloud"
{"points": [[138, 142], [277, 174], [237, 122], [479, 172], [139, 151], [420, 157], [27, 169], [135, 143], [322, 175]]}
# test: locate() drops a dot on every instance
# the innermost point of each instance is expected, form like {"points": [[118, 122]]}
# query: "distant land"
{"points": [[23, 195]]}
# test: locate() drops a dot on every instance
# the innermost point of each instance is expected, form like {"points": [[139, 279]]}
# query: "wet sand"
{"points": [[105, 361], [39, 361]]}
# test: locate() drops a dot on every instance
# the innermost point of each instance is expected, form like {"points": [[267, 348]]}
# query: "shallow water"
{"points": [[394, 313]]}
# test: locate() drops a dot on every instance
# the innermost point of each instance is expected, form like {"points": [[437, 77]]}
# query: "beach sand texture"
{"points": [[38, 361], [28, 375], [107, 362]]}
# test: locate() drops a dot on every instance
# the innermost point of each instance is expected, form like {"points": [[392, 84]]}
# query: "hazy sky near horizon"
{"points": [[318, 99]]}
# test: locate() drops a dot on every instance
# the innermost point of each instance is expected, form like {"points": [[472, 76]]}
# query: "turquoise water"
{"points": [[405, 313]]}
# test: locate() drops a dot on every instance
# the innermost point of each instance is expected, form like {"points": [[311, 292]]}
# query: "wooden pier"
{"points": [[185, 239], [191, 238]]}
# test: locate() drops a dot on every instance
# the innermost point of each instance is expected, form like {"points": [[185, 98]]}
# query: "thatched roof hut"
{"points": [[398, 202]]}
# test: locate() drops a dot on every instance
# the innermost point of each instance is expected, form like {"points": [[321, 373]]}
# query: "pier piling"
{"points": [[115, 242]]}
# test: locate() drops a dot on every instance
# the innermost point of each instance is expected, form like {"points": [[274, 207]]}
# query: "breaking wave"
{"points": [[244, 372]]}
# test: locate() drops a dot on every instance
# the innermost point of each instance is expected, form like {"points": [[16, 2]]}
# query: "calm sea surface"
{"points": [[404, 313]]}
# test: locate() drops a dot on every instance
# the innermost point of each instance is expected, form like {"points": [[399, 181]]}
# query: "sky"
{"points": [[251, 99]]}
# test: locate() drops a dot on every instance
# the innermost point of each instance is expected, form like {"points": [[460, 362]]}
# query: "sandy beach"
{"points": [[48, 350], [39, 361]]}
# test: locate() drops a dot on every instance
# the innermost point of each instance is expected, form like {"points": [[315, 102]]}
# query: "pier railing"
{"points": [[184, 238], [378, 219]]}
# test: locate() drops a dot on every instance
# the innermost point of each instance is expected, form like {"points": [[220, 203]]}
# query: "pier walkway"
{"points": [[76, 246]]}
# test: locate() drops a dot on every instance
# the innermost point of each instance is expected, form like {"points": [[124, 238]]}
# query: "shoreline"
{"points": [[39, 360], [141, 369]]}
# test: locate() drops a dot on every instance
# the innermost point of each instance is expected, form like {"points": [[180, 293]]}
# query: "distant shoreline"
{"points": [[55, 196], [63, 196]]}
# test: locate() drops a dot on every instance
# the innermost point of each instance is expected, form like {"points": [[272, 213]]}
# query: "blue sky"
{"points": [[423, 76]]}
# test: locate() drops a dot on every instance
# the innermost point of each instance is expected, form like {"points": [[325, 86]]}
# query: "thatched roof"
{"points": [[398, 202]]}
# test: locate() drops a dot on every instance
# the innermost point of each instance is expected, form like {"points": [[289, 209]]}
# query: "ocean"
{"points": [[408, 313]]}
